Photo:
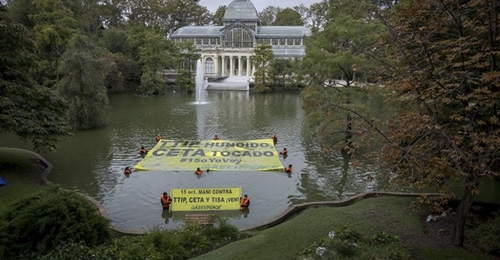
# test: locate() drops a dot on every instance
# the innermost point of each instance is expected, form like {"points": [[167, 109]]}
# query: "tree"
{"points": [[26, 108], [288, 17], [261, 60], [451, 84], [281, 72], [268, 15], [181, 13], [344, 50], [54, 25], [219, 15], [83, 84], [155, 54], [187, 60], [318, 15]]}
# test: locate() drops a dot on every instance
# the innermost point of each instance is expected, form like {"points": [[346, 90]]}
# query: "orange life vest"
{"points": [[198, 172], [245, 202], [127, 171], [288, 169], [158, 138], [144, 151], [216, 138], [285, 152], [165, 201]]}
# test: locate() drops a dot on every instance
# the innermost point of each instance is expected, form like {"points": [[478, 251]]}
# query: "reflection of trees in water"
{"points": [[333, 175]]}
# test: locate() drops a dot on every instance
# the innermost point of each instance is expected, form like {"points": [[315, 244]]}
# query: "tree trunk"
{"points": [[463, 212], [348, 145]]}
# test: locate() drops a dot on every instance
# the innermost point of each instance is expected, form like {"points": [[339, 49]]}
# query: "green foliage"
{"points": [[83, 84], [383, 238], [193, 239], [80, 251], [268, 15], [450, 81], [187, 57], [48, 219], [288, 17], [347, 48], [348, 234], [54, 25], [31, 111], [155, 54], [218, 15], [487, 236], [262, 59], [349, 244]]}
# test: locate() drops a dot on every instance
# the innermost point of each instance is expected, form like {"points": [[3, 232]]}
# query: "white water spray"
{"points": [[200, 84]]}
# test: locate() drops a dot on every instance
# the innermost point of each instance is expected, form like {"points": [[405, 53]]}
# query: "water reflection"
{"points": [[92, 162]]}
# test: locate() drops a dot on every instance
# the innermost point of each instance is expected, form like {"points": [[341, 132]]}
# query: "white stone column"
{"points": [[240, 65], [216, 65], [223, 67], [249, 68], [231, 65], [203, 65]]}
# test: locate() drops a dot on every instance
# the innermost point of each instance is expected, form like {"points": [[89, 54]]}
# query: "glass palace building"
{"points": [[226, 51]]}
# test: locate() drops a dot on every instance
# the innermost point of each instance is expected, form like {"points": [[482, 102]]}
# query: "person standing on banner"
{"points": [[244, 202], [165, 200]]}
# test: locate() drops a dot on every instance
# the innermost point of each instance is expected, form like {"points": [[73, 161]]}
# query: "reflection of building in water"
{"points": [[227, 51]]}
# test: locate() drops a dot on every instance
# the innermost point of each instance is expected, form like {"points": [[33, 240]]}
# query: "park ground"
{"points": [[426, 240]]}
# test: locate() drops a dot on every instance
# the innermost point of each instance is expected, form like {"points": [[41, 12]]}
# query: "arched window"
{"points": [[237, 37], [209, 65]]}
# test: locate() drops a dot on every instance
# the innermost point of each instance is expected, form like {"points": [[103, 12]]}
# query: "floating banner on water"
{"points": [[215, 155], [205, 199]]}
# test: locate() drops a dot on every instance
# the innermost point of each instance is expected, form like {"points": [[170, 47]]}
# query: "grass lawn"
{"points": [[389, 214], [21, 173]]}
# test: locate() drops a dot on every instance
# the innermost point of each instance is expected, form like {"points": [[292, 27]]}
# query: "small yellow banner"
{"points": [[215, 155], [205, 199]]}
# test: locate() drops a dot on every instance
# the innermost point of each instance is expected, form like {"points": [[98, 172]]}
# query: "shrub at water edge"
{"points": [[48, 219]]}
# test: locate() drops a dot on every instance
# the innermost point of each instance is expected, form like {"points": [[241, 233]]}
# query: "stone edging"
{"points": [[279, 219], [288, 212], [40, 160], [294, 209]]}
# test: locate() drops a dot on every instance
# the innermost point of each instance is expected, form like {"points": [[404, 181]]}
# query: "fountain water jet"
{"points": [[200, 84]]}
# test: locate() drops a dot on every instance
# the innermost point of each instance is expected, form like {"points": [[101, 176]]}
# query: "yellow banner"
{"points": [[215, 155], [205, 199]]}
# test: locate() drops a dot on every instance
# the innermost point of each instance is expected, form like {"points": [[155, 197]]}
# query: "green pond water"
{"points": [[92, 162]]}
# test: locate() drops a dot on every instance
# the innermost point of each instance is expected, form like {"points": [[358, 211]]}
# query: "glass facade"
{"points": [[237, 37]]}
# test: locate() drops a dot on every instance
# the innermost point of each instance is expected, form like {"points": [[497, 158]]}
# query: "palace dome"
{"points": [[240, 10]]}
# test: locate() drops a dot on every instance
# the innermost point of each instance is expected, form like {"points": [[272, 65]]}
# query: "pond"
{"points": [[92, 162]]}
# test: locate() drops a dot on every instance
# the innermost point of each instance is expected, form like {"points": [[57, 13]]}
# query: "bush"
{"points": [[349, 244], [48, 219], [487, 236], [80, 251], [382, 238]]}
